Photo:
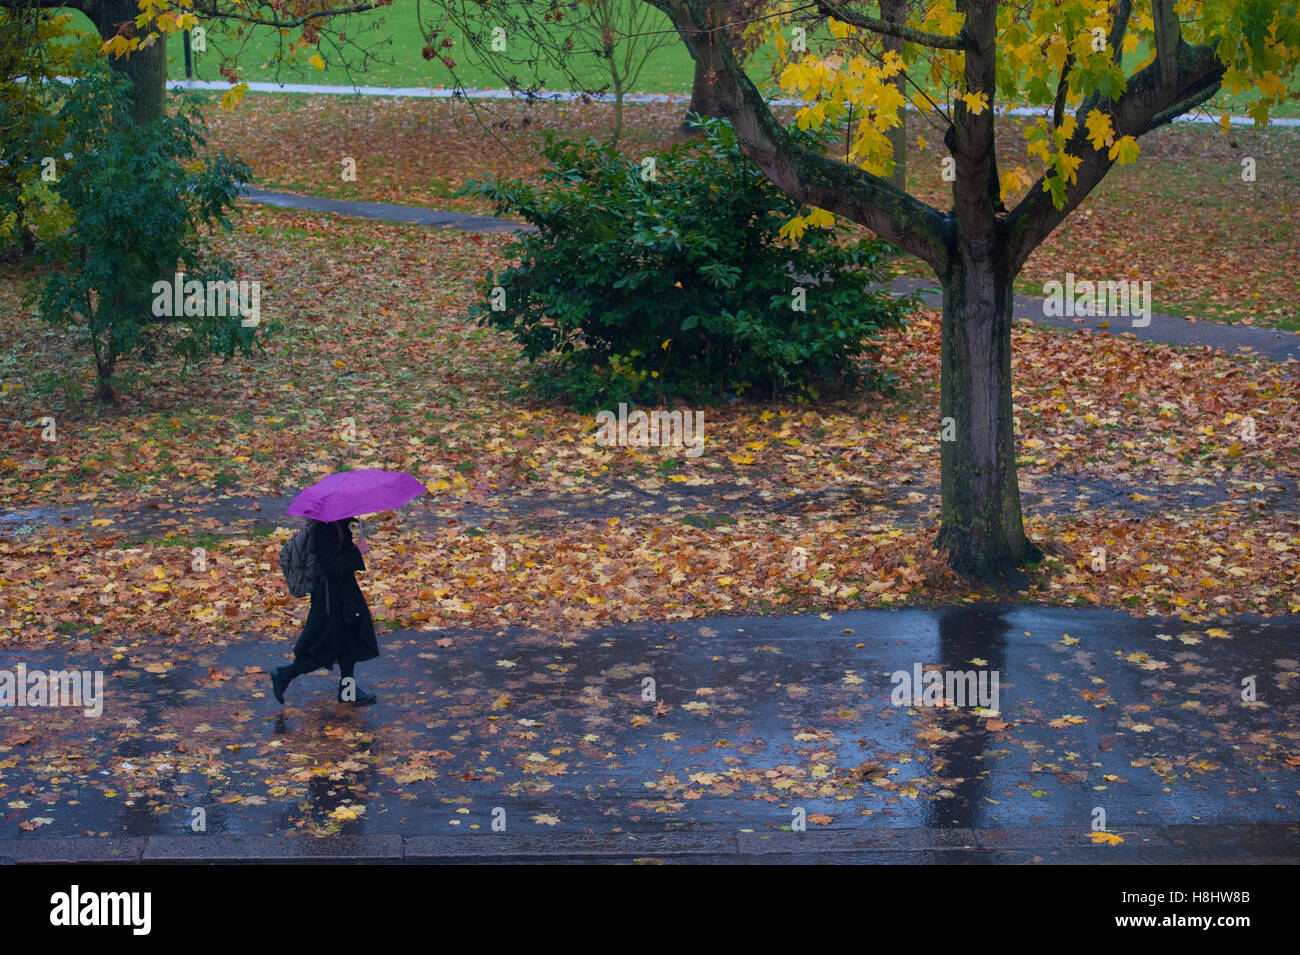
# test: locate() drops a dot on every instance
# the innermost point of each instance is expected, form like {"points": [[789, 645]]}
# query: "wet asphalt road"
{"points": [[750, 727]]}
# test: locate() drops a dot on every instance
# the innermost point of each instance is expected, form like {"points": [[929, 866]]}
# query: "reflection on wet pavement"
{"points": [[722, 725]]}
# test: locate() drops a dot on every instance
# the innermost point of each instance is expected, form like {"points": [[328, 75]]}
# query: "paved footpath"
{"points": [[1169, 329], [565, 96], [703, 740]]}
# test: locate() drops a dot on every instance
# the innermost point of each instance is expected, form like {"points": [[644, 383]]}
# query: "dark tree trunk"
{"points": [[895, 11], [146, 68], [981, 522], [704, 100]]}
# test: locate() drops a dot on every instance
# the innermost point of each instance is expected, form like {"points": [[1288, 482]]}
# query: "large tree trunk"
{"points": [[981, 523], [704, 100], [147, 68]]}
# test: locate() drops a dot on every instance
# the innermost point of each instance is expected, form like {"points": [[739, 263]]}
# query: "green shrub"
{"points": [[639, 289], [141, 202]]}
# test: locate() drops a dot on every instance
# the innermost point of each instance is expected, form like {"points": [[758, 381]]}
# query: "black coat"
{"points": [[338, 625]]}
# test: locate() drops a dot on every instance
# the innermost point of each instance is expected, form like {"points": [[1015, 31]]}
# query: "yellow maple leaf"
{"points": [[232, 97], [1015, 179], [1070, 166], [839, 30], [976, 102], [1100, 131], [820, 218], [120, 46], [1105, 838], [1063, 721], [316, 61], [794, 229], [1124, 151]]}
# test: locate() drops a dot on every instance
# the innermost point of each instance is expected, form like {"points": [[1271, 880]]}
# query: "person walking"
{"points": [[339, 628]]}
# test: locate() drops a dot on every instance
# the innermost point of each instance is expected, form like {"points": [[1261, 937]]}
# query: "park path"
{"points": [[565, 96], [1166, 329], [706, 737]]}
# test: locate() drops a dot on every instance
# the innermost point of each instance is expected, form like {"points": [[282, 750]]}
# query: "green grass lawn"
{"points": [[384, 49]]}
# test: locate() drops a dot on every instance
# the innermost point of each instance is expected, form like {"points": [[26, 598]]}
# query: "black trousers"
{"points": [[299, 667]]}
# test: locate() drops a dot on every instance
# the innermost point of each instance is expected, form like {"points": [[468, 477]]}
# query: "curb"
{"points": [[1246, 843]]}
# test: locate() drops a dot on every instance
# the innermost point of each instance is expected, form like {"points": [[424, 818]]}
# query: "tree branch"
{"points": [[84, 6], [1062, 88], [802, 173], [1117, 30], [212, 12], [972, 139], [919, 37], [1186, 106], [1148, 101], [1169, 36]]}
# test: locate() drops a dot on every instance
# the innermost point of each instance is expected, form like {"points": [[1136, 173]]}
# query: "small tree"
{"points": [[36, 48], [140, 201], [626, 44], [521, 42]]}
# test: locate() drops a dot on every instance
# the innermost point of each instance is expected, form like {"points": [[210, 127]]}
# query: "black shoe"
{"points": [[279, 683], [362, 698]]}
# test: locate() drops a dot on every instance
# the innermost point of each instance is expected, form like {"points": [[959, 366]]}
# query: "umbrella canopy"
{"points": [[353, 493]]}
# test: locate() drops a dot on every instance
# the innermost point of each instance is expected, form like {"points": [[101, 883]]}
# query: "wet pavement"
{"points": [[692, 740]]}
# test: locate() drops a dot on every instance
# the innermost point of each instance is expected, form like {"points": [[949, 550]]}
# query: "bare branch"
{"points": [[213, 12]]}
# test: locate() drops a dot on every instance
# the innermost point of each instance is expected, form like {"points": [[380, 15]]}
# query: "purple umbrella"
{"points": [[353, 493]]}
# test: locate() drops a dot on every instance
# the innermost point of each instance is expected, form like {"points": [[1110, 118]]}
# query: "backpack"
{"points": [[298, 563]]}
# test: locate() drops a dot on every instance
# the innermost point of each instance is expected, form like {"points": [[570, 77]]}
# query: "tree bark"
{"points": [[146, 68], [981, 525], [895, 11], [618, 108], [704, 100]]}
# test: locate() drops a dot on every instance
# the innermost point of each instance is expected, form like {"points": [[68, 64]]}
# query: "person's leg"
{"points": [[300, 666], [281, 677], [349, 692]]}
